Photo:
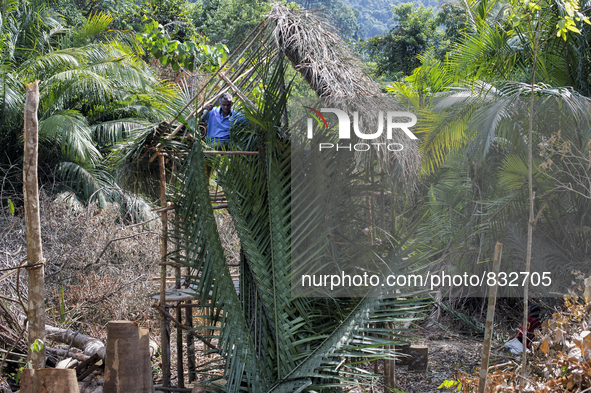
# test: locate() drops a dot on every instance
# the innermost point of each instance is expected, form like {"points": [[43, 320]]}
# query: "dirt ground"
{"points": [[447, 355]]}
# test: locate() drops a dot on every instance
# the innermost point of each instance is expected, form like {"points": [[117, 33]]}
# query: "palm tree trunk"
{"points": [[530, 182], [36, 302]]}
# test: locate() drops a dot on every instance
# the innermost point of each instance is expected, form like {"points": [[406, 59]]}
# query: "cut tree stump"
{"points": [[419, 357], [146, 382], [53, 380], [122, 361], [403, 350], [29, 382]]}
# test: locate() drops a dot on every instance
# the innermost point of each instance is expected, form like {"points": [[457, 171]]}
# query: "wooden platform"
{"points": [[176, 295], [184, 294]]}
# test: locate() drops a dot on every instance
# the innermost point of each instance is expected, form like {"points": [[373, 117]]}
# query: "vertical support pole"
{"points": [[36, 299], [164, 333], [190, 344], [179, 333], [389, 367], [179, 348], [490, 317], [369, 199], [372, 200], [177, 280]]}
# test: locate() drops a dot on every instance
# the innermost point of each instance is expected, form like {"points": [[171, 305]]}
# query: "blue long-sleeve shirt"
{"points": [[218, 125]]}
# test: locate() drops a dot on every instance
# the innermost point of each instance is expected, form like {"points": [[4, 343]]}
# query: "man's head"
{"points": [[226, 104]]}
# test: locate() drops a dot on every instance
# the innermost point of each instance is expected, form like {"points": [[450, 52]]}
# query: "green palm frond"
{"points": [[113, 131], [11, 94], [85, 182], [486, 52], [69, 130], [443, 133], [95, 24], [513, 175], [199, 239], [84, 88], [46, 64]]}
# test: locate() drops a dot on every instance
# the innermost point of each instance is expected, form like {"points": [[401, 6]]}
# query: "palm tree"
{"points": [[475, 144], [94, 90]]}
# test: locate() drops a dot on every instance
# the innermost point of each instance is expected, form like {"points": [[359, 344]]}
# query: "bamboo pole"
{"points": [[164, 332], [490, 318], [36, 302]]}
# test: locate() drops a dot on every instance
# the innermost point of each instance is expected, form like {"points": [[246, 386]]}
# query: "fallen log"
{"points": [[89, 345], [67, 354]]}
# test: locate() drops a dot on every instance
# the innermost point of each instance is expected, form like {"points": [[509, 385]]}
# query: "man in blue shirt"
{"points": [[219, 120]]}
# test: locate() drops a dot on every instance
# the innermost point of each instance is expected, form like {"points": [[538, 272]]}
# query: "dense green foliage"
{"points": [[375, 16], [418, 29], [340, 15], [95, 92], [188, 55], [227, 21], [474, 138]]}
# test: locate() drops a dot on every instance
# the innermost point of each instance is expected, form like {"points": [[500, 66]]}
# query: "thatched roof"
{"points": [[338, 77], [320, 55]]}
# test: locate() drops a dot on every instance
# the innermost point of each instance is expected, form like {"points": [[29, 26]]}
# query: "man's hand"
{"points": [[208, 107]]}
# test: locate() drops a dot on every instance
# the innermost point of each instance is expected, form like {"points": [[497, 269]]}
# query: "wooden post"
{"points": [[389, 367], [36, 299], [179, 331], [164, 332], [179, 336], [490, 318], [190, 344]]}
